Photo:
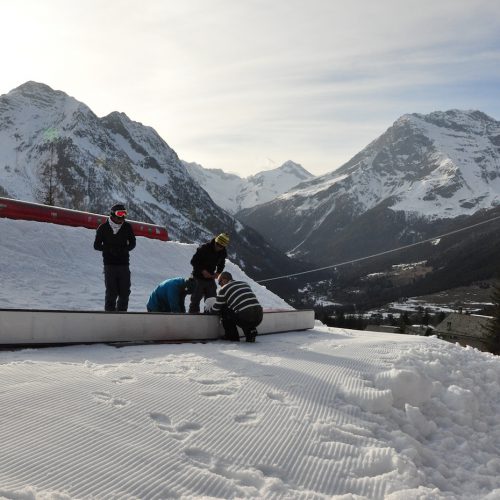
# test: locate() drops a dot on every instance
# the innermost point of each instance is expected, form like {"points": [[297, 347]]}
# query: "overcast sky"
{"points": [[245, 85]]}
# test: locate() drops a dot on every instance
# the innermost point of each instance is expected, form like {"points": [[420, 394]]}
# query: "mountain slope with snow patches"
{"points": [[55, 150], [440, 165], [52, 142], [425, 168]]}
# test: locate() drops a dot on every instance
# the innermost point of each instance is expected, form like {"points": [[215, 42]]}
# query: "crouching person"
{"points": [[238, 306], [170, 295]]}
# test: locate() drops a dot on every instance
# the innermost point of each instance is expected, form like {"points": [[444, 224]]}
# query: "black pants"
{"points": [[117, 282], [247, 320], [203, 289]]}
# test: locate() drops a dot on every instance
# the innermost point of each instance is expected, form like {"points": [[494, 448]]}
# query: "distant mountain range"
{"points": [[424, 168], [425, 176], [234, 193], [54, 149]]}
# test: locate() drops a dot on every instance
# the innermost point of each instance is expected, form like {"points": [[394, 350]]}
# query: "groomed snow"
{"points": [[322, 414]]}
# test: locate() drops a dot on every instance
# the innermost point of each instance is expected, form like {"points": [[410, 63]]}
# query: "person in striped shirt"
{"points": [[238, 306]]}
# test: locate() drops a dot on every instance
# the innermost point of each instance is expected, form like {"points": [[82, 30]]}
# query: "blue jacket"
{"points": [[168, 296]]}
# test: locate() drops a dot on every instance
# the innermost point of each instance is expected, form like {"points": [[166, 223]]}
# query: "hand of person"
{"points": [[206, 274], [209, 304]]}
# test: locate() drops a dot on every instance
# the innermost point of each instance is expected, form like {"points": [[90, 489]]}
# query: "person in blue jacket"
{"points": [[169, 295]]}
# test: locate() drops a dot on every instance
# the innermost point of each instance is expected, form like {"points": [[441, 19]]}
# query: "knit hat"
{"points": [[222, 239]]}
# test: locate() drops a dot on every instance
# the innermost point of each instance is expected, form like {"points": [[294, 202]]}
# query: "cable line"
{"points": [[380, 253]]}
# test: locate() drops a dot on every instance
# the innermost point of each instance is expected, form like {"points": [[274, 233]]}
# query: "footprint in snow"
{"points": [[279, 398], [126, 379], [176, 370], [218, 392], [215, 386], [180, 431], [208, 381], [249, 417], [200, 457], [109, 399], [162, 421]]}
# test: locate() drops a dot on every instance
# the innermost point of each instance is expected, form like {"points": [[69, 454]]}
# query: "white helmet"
{"points": [[209, 304]]}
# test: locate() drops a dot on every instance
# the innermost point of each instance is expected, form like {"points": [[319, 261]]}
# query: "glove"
{"points": [[209, 304]]}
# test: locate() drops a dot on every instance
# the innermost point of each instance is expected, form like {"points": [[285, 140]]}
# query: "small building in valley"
{"points": [[466, 329]]}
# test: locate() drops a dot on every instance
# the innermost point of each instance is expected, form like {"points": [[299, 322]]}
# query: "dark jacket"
{"points": [[206, 257], [115, 248]]}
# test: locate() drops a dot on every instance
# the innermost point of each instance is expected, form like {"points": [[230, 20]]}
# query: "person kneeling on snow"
{"points": [[169, 295], [238, 306]]}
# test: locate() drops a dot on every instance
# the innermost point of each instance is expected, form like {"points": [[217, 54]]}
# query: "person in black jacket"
{"points": [[115, 238], [208, 262]]}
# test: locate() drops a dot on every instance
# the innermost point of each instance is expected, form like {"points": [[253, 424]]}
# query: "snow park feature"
{"points": [[327, 413], [28, 327], [17, 209]]}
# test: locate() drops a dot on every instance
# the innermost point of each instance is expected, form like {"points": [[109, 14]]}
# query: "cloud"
{"points": [[228, 83]]}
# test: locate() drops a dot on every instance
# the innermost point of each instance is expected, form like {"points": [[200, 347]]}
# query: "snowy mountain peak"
{"points": [[37, 111], [290, 173], [234, 193], [458, 120], [296, 169], [36, 91], [40, 96], [443, 164]]}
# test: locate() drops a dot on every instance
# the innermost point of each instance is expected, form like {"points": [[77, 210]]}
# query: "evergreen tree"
{"points": [[404, 321], [47, 173], [426, 318], [340, 318]]}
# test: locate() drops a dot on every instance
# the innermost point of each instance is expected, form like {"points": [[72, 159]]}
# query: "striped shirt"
{"points": [[237, 295]]}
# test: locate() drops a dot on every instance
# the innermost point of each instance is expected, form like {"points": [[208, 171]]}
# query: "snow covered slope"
{"points": [[47, 266], [323, 414], [234, 193]]}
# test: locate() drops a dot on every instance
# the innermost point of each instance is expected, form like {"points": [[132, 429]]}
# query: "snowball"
{"points": [[461, 399], [407, 386], [424, 426]]}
